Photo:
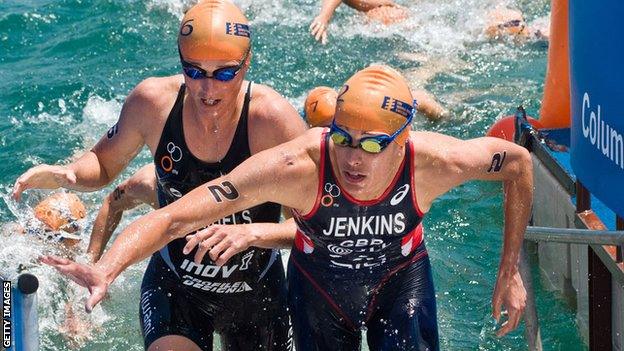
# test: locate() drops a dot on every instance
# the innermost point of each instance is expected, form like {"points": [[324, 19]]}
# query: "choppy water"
{"points": [[67, 65]]}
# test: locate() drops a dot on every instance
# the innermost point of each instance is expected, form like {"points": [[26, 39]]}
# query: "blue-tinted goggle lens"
{"points": [[223, 74]]}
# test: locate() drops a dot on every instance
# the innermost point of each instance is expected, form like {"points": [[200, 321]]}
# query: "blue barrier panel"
{"points": [[597, 98]]}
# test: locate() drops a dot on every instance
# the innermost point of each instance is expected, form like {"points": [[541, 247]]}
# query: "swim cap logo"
{"points": [[237, 29], [186, 28], [397, 106]]}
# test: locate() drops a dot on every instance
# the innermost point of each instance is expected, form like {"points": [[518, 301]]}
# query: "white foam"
{"points": [[174, 7]]}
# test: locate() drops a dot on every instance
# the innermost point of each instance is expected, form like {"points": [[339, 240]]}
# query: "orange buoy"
{"points": [[505, 127], [555, 111]]}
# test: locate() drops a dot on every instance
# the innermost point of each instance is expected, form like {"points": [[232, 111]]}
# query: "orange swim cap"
{"points": [[375, 99], [60, 209], [320, 106], [214, 30]]}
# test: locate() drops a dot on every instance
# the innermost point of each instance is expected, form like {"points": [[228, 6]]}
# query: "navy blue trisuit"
{"points": [[362, 265], [245, 300]]}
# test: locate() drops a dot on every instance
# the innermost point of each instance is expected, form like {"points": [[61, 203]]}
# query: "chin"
{"points": [[354, 188]]}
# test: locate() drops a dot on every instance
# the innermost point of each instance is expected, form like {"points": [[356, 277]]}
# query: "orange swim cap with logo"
{"points": [[214, 30], [320, 106], [375, 99], [60, 209]]}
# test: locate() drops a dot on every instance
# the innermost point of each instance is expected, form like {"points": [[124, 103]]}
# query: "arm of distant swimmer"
{"points": [[138, 189], [318, 27], [275, 175], [367, 5], [99, 166], [222, 242], [490, 159]]}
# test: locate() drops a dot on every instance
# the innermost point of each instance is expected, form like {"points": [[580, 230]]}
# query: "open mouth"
{"points": [[210, 102], [353, 177]]}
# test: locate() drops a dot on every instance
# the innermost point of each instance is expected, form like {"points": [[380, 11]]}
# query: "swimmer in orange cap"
{"points": [[510, 23], [384, 11], [198, 126], [57, 218], [359, 193], [320, 105]]}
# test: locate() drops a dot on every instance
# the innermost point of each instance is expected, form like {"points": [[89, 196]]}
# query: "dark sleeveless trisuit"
{"points": [[245, 300], [359, 265]]}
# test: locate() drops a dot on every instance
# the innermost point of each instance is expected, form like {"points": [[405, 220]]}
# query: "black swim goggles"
{"points": [[371, 144], [224, 74]]}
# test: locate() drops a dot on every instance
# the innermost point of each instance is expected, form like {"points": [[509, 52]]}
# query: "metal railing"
{"points": [[526, 136], [557, 235]]}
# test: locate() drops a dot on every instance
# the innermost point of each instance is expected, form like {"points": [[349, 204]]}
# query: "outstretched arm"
{"points": [[101, 165], [318, 27], [455, 162], [138, 189], [285, 174]]}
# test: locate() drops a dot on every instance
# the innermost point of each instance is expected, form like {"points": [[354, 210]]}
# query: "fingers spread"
{"points": [[201, 252], [216, 250], [198, 237], [231, 251]]}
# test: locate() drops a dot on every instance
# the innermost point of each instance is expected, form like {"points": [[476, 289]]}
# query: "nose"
{"points": [[354, 156], [208, 85]]}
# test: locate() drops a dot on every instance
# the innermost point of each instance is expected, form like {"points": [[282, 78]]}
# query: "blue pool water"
{"points": [[67, 65]]}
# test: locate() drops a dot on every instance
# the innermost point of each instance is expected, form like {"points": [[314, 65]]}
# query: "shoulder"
{"points": [[431, 147], [268, 106], [147, 106], [296, 161], [303, 152], [155, 93], [439, 154], [272, 118]]}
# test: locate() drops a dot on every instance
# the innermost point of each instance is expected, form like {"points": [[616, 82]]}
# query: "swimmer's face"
{"points": [[210, 94], [506, 22], [363, 173]]}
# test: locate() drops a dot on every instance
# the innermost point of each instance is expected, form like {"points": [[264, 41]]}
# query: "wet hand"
{"points": [[43, 177], [318, 28], [86, 276], [221, 242], [509, 292]]}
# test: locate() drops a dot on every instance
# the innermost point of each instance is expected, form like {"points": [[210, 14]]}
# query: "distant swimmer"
{"points": [[504, 22], [198, 126], [320, 105], [134, 191], [384, 11], [57, 218], [359, 193]]}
